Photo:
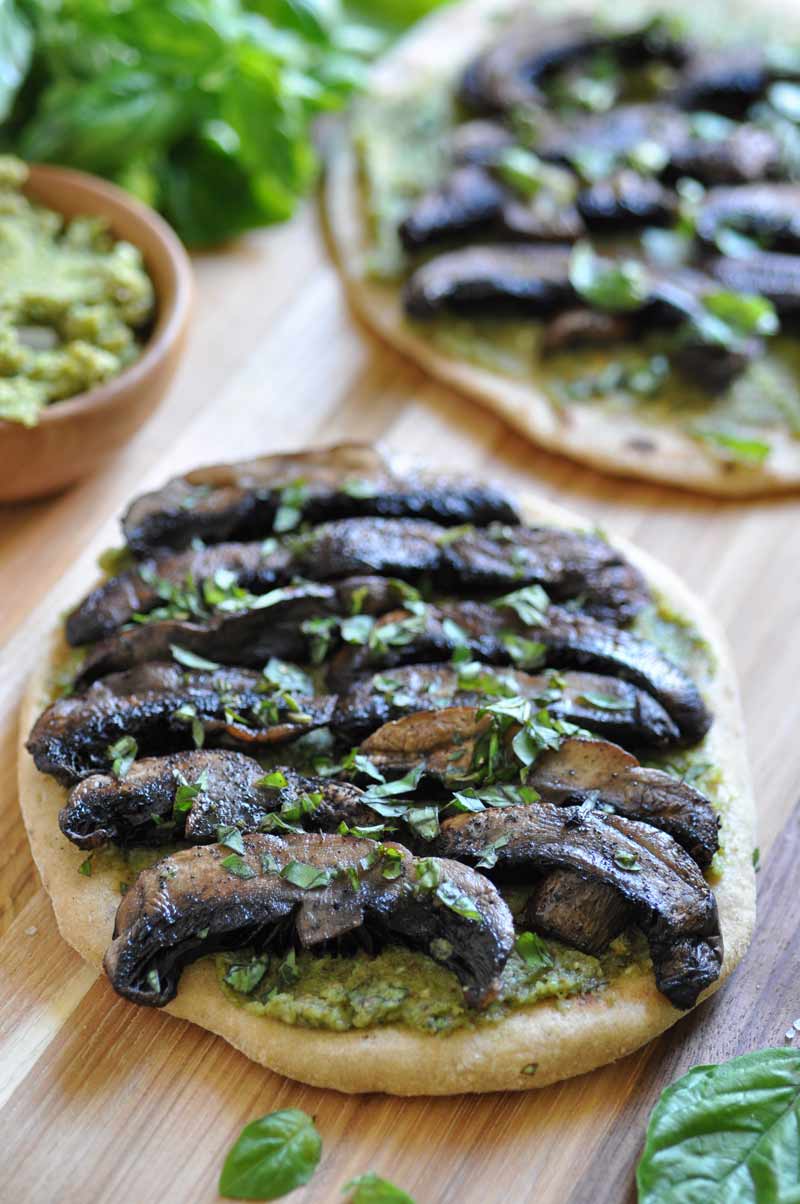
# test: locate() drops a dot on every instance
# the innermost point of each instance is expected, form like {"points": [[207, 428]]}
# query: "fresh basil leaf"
{"points": [[488, 857], [526, 654], [747, 313], [190, 659], [448, 893], [533, 951], [287, 677], [231, 838], [370, 1189], [736, 447], [271, 1157], [521, 169], [307, 877], [187, 792], [613, 287], [122, 754], [277, 779], [236, 865], [245, 976], [530, 603], [604, 702], [726, 1134], [402, 785]]}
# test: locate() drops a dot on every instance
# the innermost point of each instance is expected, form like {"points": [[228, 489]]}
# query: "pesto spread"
{"points": [[74, 302]]}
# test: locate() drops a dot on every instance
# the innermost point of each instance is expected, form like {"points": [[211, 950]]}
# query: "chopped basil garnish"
{"points": [[122, 754], [533, 951], [627, 860], [290, 509], [187, 792], [526, 654], [236, 865], [530, 603], [245, 976], [604, 702], [488, 857], [231, 838], [402, 785], [85, 866], [614, 287], [448, 893], [307, 877], [358, 488], [190, 659], [428, 874], [271, 1157], [277, 779], [188, 714]]}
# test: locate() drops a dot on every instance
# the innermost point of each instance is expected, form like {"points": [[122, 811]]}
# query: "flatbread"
{"points": [[623, 444], [561, 1038]]}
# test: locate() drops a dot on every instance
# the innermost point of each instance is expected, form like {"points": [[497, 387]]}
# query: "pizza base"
{"points": [[623, 444], [561, 1038]]}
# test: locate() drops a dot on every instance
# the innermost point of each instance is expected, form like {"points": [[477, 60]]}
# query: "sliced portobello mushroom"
{"points": [[566, 562], [272, 627], [205, 899], [497, 635], [193, 795], [516, 278], [479, 142], [586, 914], [466, 205], [665, 891], [607, 705], [768, 213], [512, 71], [581, 327], [626, 200], [159, 705], [241, 500], [773, 275], [723, 81]]}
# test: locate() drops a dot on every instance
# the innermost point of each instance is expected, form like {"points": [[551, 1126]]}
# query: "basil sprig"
{"points": [[726, 1134], [272, 1156]]}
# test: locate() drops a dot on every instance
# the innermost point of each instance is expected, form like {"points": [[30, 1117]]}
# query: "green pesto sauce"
{"points": [[400, 140], [398, 986]]}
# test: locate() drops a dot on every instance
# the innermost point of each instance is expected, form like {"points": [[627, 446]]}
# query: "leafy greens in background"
{"points": [[202, 108], [727, 1134]]}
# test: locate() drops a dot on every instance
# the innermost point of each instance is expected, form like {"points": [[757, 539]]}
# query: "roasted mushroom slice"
{"points": [[605, 705], [724, 81], [768, 213], [205, 899], [241, 500], [566, 562], [774, 276], [626, 200], [595, 771], [276, 625], [193, 795], [466, 204], [162, 707], [514, 69], [584, 914], [667, 895], [496, 634], [530, 280], [479, 142], [451, 746]]}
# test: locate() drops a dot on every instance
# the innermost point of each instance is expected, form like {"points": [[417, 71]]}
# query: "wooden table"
{"points": [[100, 1101]]}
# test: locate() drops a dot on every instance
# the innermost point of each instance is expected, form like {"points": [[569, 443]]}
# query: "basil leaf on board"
{"points": [[272, 1156], [371, 1189], [727, 1134]]}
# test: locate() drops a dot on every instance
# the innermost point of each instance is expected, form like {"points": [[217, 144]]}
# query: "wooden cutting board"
{"points": [[100, 1101]]}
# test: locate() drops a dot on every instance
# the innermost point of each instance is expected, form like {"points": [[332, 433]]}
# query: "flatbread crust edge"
{"points": [[561, 1038], [621, 444]]}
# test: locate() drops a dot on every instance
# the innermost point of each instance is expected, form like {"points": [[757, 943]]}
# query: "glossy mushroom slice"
{"points": [[496, 634], [768, 213], [566, 562], [276, 625], [606, 705], [241, 500], [312, 890], [194, 795], [724, 81], [513, 70], [532, 281], [163, 707], [665, 891], [626, 200], [467, 204], [584, 914], [773, 275], [450, 745]]}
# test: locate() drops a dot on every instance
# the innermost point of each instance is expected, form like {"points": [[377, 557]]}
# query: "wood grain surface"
{"points": [[100, 1101]]}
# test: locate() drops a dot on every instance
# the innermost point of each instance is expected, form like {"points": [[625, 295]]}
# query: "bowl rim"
{"points": [[171, 320]]}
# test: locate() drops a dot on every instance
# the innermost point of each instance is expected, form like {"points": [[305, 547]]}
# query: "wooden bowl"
{"points": [[78, 435]]}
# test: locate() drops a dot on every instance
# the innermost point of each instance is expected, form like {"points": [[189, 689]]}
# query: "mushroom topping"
{"points": [[312, 890], [516, 67], [665, 891], [724, 81], [581, 327], [196, 795], [558, 638], [567, 562], [767, 213], [479, 142], [586, 914], [607, 705], [626, 200], [278, 624], [159, 707], [774, 276], [243, 500], [467, 203], [531, 281], [456, 746]]}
